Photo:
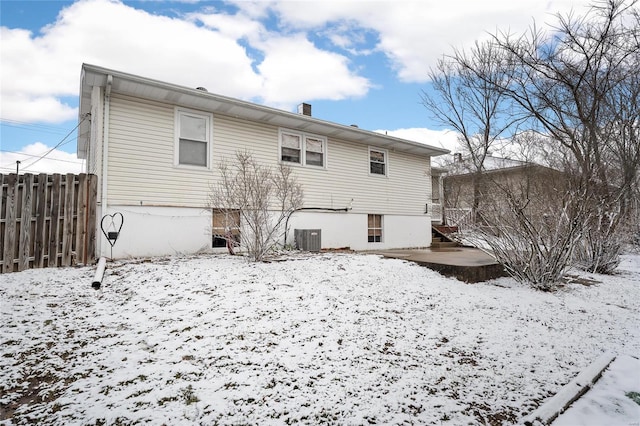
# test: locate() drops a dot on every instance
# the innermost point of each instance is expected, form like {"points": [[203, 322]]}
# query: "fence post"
{"points": [[92, 221], [54, 221], [24, 249], [10, 223], [2, 198], [67, 220], [81, 221], [41, 213]]}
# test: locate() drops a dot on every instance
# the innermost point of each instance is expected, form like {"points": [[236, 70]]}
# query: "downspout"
{"points": [[105, 150]]}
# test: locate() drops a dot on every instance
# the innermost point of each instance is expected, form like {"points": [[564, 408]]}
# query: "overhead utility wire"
{"points": [[10, 165], [34, 127], [34, 156], [62, 142]]}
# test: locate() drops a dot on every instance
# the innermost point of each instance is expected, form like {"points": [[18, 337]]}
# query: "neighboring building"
{"points": [[500, 178], [156, 146]]}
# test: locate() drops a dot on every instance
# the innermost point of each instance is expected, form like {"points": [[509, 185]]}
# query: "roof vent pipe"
{"points": [[304, 109]]}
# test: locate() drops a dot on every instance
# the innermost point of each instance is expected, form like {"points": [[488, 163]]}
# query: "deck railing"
{"points": [[460, 217]]}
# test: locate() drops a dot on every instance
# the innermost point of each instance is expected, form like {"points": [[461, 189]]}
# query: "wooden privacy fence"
{"points": [[47, 220]]}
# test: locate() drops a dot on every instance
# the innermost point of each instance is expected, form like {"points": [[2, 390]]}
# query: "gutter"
{"points": [[246, 110]]}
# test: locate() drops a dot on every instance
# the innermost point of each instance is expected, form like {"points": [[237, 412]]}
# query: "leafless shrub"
{"points": [[532, 224], [600, 249], [259, 198]]}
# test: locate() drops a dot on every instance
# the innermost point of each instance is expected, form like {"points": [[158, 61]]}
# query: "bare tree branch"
{"points": [[264, 199]]}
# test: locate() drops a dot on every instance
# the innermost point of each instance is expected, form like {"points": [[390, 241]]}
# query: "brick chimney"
{"points": [[304, 109]]}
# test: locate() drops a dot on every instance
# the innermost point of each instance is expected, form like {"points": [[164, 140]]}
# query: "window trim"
{"points": [[303, 148], [300, 137], [208, 117], [381, 228], [386, 161], [323, 144]]}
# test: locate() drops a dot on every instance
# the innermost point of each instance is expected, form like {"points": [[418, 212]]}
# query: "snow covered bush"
{"points": [[532, 224], [601, 248], [250, 202]]}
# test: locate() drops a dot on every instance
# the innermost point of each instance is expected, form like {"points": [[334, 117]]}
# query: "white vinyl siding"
{"points": [[406, 189], [142, 171], [142, 157]]}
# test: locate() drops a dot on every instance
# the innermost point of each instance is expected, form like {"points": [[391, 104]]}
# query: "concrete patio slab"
{"points": [[467, 264]]}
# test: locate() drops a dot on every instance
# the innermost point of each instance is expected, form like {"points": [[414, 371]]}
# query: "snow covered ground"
{"points": [[329, 338], [613, 400]]}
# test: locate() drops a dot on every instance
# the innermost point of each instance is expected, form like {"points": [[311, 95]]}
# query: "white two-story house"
{"points": [[155, 147]]}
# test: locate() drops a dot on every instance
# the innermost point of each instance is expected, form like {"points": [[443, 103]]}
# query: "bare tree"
{"points": [[578, 87], [256, 200], [463, 98], [579, 84]]}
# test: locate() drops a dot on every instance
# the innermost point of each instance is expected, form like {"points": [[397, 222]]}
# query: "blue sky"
{"points": [[356, 61]]}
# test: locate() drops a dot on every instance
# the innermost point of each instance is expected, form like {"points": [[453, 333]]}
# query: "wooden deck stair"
{"points": [[439, 238]]}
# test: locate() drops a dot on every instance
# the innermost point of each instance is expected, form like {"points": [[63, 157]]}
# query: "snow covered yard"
{"points": [[330, 338]]}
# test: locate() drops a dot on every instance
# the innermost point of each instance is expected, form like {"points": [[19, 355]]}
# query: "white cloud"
{"points": [[293, 69], [244, 54], [271, 51], [32, 160], [45, 109], [110, 34], [294, 62], [39, 67], [414, 34], [233, 26]]}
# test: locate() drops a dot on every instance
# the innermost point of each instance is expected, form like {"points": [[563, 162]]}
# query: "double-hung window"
{"points": [[193, 138], [374, 228], [291, 147], [302, 149], [314, 151], [377, 161]]}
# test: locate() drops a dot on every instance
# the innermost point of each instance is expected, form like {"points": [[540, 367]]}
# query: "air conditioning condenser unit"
{"points": [[308, 239]]}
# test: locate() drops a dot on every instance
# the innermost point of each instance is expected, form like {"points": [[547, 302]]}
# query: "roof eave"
{"points": [[194, 98]]}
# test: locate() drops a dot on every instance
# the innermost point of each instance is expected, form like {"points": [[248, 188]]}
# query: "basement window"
{"points": [[193, 138], [225, 228], [374, 226]]}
